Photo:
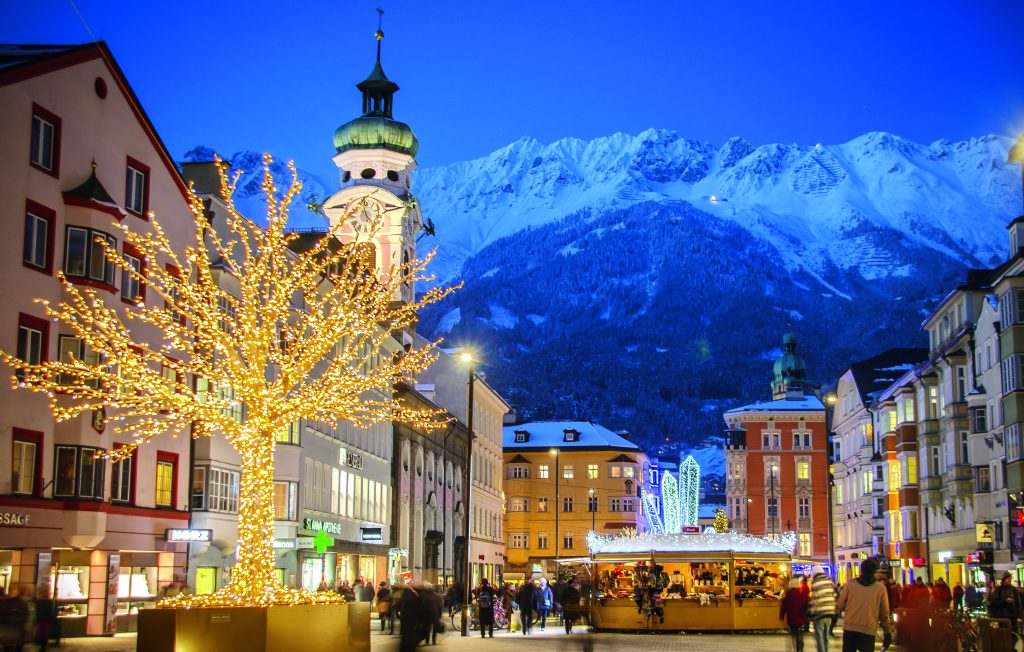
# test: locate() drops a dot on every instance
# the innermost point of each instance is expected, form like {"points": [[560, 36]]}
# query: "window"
{"points": [[286, 501], [542, 540], [737, 470], [622, 504], [839, 494], [78, 472], [518, 540], [136, 194], [766, 440], [290, 435], [796, 440], [37, 248], [803, 471], [807, 440], [911, 469], [1013, 442], [964, 447], [133, 290], [26, 463], [199, 488], [803, 506], [223, 491], [867, 483], [122, 478], [567, 504], [522, 436], [776, 440], [542, 504], [71, 348], [771, 473], [166, 479], [518, 504], [233, 407], [895, 477], [591, 503], [772, 507], [45, 152], [226, 307], [619, 471], [592, 471], [571, 435], [879, 506], [567, 471], [567, 541], [542, 471], [33, 334], [804, 541], [175, 294], [983, 479], [84, 255], [518, 471]]}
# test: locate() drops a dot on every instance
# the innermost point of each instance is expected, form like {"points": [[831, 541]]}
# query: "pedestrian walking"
{"points": [[793, 609], [432, 610], [570, 605], [383, 603], [543, 600], [865, 607], [14, 615], [958, 597], [485, 599], [413, 616], [942, 597], [525, 598], [1005, 602], [822, 608], [45, 617]]}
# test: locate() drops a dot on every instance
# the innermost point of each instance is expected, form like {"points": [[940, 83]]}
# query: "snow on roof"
{"points": [[782, 405], [551, 434], [735, 542], [707, 510]]}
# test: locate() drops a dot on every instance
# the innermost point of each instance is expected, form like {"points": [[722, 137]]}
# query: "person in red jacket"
{"points": [[942, 597], [794, 609]]}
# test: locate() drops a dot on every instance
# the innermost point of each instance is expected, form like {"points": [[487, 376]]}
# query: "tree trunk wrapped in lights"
{"points": [[291, 345]]}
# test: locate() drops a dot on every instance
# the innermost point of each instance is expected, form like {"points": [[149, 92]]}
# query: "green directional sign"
{"points": [[322, 542]]}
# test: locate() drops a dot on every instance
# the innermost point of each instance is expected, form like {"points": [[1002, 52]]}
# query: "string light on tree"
{"points": [[670, 503], [721, 521], [294, 341], [689, 490]]}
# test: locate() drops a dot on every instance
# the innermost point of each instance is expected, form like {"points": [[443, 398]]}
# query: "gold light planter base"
{"points": [[310, 628]]}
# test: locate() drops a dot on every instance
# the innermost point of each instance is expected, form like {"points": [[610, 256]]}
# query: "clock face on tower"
{"points": [[368, 216]]}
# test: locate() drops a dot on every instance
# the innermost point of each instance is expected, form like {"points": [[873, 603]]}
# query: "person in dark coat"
{"points": [[13, 619], [1004, 601], [383, 604], [525, 599], [46, 615], [432, 609], [543, 601], [570, 606], [412, 612], [485, 600]]}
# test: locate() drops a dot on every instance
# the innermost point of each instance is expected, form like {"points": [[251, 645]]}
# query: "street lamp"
{"points": [[830, 406], [592, 506], [556, 453], [773, 507], [468, 489]]}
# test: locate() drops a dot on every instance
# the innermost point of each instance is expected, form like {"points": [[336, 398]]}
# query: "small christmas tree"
{"points": [[721, 521]]}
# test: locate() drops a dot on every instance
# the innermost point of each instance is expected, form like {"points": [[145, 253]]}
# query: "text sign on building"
{"points": [[285, 544], [371, 533], [983, 532], [315, 524], [691, 529], [304, 543], [14, 519], [188, 535]]}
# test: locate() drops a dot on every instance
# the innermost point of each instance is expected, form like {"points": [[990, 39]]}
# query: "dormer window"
{"points": [[571, 435], [522, 436]]}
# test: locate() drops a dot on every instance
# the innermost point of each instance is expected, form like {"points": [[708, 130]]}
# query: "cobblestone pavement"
{"points": [[549, 641]]}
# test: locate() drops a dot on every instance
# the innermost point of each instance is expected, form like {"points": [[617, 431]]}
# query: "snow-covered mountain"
{"points": [[815, 205]]}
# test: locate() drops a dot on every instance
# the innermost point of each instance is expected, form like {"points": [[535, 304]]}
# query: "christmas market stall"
{"points": [[723, 581]]}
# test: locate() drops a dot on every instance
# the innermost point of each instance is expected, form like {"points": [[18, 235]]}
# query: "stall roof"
{"points": [[732, 542]]}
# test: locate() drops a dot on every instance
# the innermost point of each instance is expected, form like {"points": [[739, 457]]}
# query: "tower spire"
{"points": [[380, 31]]}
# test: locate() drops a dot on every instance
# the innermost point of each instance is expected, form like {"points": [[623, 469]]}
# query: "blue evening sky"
{"points": [[280, 77]]}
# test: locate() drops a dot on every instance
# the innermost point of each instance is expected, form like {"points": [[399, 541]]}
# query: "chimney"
{"points": [[511, 417], [204, 177], [427, 390]]}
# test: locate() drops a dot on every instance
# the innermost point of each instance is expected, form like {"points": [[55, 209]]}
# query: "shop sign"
{"points": [[983, 532], [43, 561], [537, 568], [304, 543], [371, 533], [315, 524], [14, 519], [895, 562], [187, 535], [918, 561], [691, 529], [972, 558], [955, 560], [288, 544]]}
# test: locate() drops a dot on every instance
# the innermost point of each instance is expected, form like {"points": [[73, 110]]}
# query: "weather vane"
{"points": [[380, 31]]}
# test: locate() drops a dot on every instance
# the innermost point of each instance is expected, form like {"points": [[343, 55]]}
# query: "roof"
{"points": [[13, 55], [707, 510], [518, 459], [647, 542], [805, 404], [91, 194], [551, 434], [622, 458], [874, 375]]}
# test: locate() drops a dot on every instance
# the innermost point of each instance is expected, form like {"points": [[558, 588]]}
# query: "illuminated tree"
{"points": [[670, 503], [689, 490], [721, 521], [301, 339]]}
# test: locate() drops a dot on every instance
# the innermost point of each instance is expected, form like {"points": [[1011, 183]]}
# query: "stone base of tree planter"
{"points": [[310, 628]]}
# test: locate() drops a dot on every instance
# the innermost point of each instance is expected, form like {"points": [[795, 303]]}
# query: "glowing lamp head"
{"points": [[466, 356], [831, 398], [553, 451]]}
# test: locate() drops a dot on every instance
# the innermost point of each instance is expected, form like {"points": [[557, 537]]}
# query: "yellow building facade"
{"points": [[563, 479]]}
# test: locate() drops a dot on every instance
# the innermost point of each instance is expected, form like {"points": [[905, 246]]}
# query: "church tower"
{"points": [[790, 371], [375, 155]]}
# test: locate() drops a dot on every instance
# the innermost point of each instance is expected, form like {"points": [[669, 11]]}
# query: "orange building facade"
{"points": [[777, 464]]}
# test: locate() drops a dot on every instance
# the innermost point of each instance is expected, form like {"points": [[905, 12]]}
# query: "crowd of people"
{"points": [[27, 618]]}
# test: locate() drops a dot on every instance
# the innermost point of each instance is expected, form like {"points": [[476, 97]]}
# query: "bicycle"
{"points": [[455, 614]]}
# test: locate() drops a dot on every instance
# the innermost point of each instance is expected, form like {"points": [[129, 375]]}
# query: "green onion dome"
{"points": [[376, 132]]}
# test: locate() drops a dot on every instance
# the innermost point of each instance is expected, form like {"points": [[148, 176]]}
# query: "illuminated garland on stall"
{"points": [[670, 503], [689, 491], [646, 542], [294, 342], [651, 511]]}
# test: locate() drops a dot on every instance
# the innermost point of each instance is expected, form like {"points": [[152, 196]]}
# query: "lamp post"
{"points": [[830, 406], [592, 506], [468, 489], [773, 506], [555, 452]]}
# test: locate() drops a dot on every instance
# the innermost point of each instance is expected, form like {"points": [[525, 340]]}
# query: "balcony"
{"points": [[958, 473]]}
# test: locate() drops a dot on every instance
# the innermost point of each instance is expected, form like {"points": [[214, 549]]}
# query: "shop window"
{"points": [[37, 248], [136, 194], [46, 131], [122, 478], [206, 579], [166, 479], [26, 462]]}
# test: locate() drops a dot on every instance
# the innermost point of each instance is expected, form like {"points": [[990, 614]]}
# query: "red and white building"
{"points": [[78, 155]]}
